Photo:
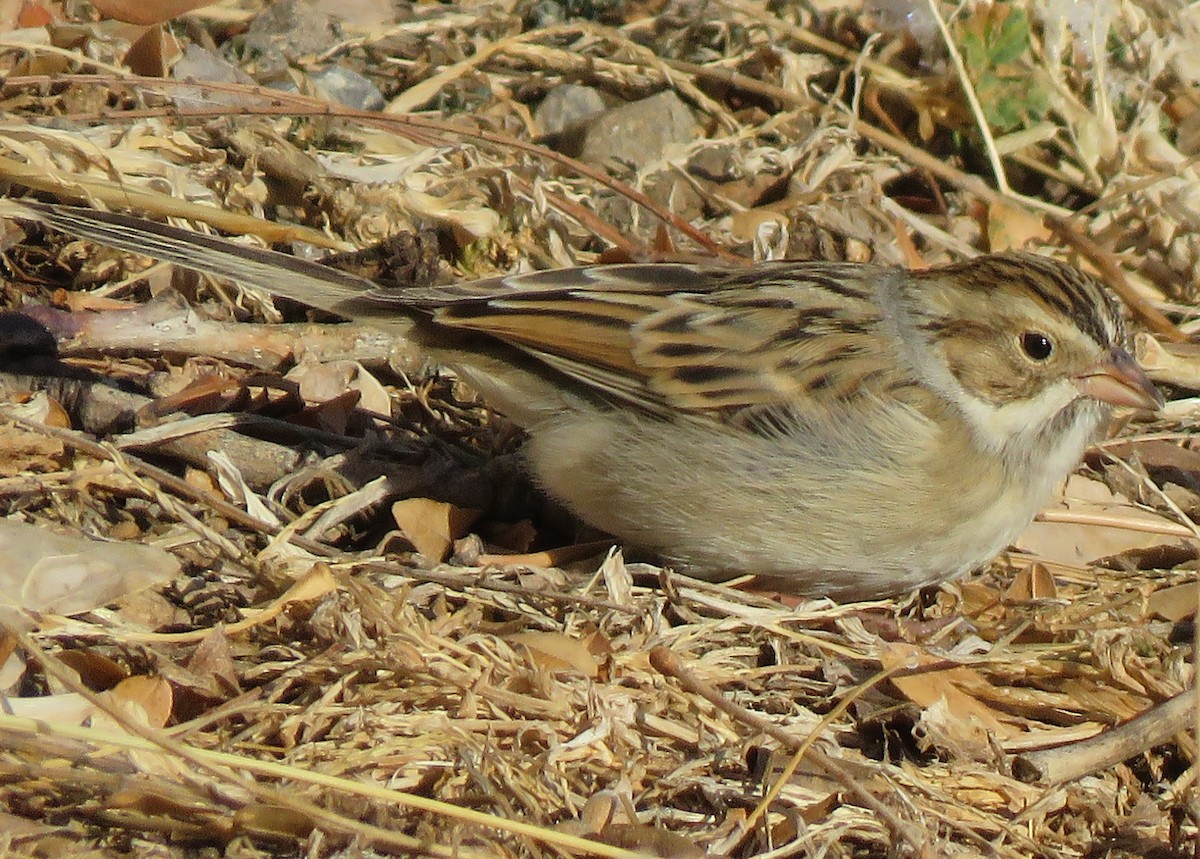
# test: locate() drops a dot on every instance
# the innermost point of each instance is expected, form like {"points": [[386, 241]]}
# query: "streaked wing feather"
{"points": [[736, 356], [689, 337], [611, 384], [582, 333], [625, 279]]}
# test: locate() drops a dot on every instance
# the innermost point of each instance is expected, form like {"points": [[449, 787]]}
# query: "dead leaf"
{"points": [[33, 15], [952, 717], [153, 53], [554, 651], [1034, 582], [1069, 542], [212, 392], [317, 582], [432, 526], [1011, 228], [273, 820], [149, 697], [1174, 603], [338, 388], [69, 574], [136, 798], [650, 841], [214, 659], [96, 671], [141, 12]]}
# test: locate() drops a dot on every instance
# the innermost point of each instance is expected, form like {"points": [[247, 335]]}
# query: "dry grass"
{"points": [[337, 696]]}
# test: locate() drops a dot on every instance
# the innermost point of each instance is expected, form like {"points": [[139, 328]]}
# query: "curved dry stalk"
{"points": [[1140, 734], [275, 103], [968, 89], [1113, 520]]}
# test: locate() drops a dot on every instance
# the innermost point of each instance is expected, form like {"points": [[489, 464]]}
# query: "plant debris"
{"points": [[329, 673]]}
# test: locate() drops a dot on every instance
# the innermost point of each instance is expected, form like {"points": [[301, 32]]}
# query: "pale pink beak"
{"points": [[1119, 381]]}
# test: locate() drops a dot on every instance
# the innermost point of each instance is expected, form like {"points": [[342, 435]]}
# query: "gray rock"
{"points": [[638, 133], [284, 33], [715, 163], [566, 107], [294, 28], [348, 87], [201, 64]]}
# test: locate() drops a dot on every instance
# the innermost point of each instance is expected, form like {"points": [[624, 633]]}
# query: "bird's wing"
{"points": [[701, 339]]}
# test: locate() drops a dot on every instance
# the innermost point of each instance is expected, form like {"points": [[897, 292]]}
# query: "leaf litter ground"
{"points": [[303, 682]]}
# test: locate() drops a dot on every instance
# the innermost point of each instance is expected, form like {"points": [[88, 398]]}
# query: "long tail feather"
{"points": [[280, 274]]}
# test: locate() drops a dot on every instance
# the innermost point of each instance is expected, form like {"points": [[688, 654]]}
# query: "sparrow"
{"points": [[844, 430]]}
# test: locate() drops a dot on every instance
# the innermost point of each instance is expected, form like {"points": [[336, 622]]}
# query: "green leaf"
{"points": [[1012, 40], [974, 52]]}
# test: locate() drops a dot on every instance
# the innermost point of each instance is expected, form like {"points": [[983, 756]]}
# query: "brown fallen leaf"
{"points": [[1174, 603], [1013, 228], [952, 717], [432, 526], [96, 671], [1034, 582], [154, 52], [140, 12], [273, 821], [151, 696], [650, 841], [554, 651], [1119, 526]]}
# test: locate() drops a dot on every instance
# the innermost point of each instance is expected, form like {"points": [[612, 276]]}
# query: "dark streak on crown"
{"points": [[1067, 290]]}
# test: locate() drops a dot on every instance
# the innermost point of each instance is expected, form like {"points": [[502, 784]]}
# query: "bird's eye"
{"points": [[1037, 345]]}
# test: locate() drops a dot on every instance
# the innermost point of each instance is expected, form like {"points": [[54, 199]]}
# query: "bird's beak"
{"points": [[1119, 381]]}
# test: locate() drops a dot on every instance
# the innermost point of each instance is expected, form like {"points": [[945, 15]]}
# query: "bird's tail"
{"points": [[307, 282]]}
